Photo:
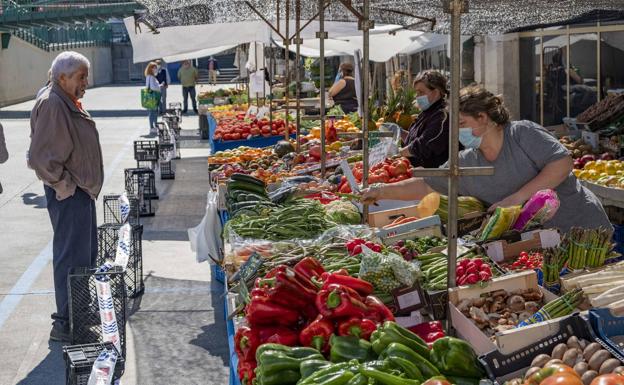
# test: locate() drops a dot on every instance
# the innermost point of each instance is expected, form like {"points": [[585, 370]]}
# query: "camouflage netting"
{"points": [[485, 16]]}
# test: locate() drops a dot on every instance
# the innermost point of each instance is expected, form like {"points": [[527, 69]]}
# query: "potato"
{"points": [[619, 370], [590, 350], [540, 360], [569, 358], [581, 368], [559, 351], [609, 366], [583, 344], [588, 377], [573, 342], [554, 361], [531, 371], [598, 359]]}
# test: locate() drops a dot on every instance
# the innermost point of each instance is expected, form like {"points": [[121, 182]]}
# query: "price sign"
{"points": [[248, 269], [408, 299]]}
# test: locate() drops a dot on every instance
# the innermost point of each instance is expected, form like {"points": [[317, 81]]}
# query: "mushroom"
{"points": [[531, 307], [479, 302], [479, 316], [464, 305], [516, 303], [524, 316]]}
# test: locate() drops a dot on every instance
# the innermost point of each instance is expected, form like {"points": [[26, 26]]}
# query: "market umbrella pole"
{"points": [[322, 35], [287, 63], [298, 69], [365, 25]]}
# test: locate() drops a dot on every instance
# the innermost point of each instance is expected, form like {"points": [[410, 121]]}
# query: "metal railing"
{"points": [[52, 39], [15, 11]]}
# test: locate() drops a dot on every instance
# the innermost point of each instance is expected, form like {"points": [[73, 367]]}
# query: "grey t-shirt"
{"points": [[527, 149]]}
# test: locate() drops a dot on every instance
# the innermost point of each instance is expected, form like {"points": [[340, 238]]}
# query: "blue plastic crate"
{"points": [[224, 216], [217, 273], [618, 238], [609, 328], [254, 142], [229, 324]]}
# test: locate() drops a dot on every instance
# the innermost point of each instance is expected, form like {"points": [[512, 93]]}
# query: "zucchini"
{"points": [[247, 179], [246, 186]]}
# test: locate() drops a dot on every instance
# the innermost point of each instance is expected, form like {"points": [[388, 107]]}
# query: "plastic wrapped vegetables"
{"points": [[387, 272], [343, 212]]}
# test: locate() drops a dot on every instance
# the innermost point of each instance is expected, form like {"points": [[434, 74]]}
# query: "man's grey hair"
{"points": [[67, 63]]}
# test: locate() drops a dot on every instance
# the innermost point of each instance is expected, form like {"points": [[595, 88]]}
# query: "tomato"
{"points": [[563, 379], [236, 136], [609, 379], [550, 371], [227, 137], [436, 382]]}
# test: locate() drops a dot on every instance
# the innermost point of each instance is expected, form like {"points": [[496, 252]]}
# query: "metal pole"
{"points": [[321, 37], [567, 74], [298, 69], [272, 76], [256, 60], [456, 9], [287, 63], [365, 26]]}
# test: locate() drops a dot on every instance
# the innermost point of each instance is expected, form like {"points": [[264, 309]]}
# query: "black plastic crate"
{"points": [[166, 170], [84, 310], [145, 150], [146, 208], [141, 182], [437, 303], [79, 360], [502, 367], [112, 213], [108, 236]]}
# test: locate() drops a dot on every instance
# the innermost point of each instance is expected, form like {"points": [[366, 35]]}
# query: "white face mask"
{"points": [[155, 72]]}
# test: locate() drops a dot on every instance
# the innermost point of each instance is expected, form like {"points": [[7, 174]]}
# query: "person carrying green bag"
{"points": [[150, 96]]}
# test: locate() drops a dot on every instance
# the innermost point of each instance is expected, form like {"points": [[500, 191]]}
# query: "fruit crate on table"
{"points": [[145, 150], [112, 213], [608, 328], [141, 182], [503, 367], [79, 360], [84, 310], [108, 237]]}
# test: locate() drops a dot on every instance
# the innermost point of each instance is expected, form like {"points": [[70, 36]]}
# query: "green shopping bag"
{"points": [[150, 99]]}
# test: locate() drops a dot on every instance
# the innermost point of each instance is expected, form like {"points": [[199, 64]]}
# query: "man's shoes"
{"points": [[184, 112], [196, 112], [60, 332]]}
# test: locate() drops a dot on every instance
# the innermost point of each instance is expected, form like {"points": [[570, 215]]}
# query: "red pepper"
{"points": [[288, 287], [246, 372], [337, 301], [292, 273], [378, 311], [362, 287], [246, 341], [278, 335], [309, 267], [263, 311], [429, 331], [317, 334], [361, 328]]}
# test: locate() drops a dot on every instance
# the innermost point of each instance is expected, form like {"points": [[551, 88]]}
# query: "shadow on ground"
{"points": [[32, 199], [48, 371]]}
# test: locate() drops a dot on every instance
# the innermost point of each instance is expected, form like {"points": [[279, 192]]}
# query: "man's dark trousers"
{"points": [[75, 241], [186, 91]]}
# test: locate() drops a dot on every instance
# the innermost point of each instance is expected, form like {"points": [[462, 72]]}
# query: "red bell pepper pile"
{"points": [[388, 171], [429, 331], [354, 246], [526, 261], [305, 305], [471, 271], [240, 128]]}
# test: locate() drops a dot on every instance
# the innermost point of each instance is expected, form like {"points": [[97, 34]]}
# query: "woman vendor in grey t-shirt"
{"points": [[525, 157]]}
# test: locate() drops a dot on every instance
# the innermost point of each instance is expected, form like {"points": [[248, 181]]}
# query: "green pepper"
{"points": [[309, 367], [426, 368], [410, 369], [391, 332], [327, 372], [358, 379], [279, 378], [345, 348], [339, 378], [455, 357], [295, 352], [387, 378]]}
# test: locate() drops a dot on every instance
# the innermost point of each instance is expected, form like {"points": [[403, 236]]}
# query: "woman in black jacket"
{"points": [[426, 143], [343, 91]]}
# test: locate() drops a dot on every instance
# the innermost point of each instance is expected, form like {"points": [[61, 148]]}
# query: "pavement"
{"points": [[176, 332]]}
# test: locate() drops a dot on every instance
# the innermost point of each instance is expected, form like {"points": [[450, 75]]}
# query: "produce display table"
{"points": [[607, 195]]}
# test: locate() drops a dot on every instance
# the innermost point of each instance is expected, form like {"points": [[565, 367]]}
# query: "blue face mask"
{"points": [[468, 139], [423, 102]]}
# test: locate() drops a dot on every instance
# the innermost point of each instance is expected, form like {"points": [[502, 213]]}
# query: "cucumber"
{"points": [[246, 186], [246, 196], [436, 271], [248, 179]]}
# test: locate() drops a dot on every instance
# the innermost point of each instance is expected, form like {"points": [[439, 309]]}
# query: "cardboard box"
{"points": [[508, 341], [501, 250], [382, 218], [430, 226]]}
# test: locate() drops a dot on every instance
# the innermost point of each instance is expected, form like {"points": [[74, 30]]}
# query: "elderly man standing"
{"points": [[65, 154], [188, 76]]}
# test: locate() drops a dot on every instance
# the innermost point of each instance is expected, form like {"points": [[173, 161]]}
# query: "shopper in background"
{"points": [[188, 76], [343, 91], [152, 83], [164, 80], [213, 69], [4, 154], [426, 142], [526, 158], [46, 85], [65, 154]]}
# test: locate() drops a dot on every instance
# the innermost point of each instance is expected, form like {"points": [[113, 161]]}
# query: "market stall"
{"points": [[364, 296]]}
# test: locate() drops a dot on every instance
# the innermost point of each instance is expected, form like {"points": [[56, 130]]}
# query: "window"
{"points": [[530, 86], [583, 72], [611, 59], [553, 61]]}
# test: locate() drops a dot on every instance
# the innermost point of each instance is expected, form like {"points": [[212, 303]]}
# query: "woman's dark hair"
{"points": [[347, 69], [434, 80], [475, 99]]}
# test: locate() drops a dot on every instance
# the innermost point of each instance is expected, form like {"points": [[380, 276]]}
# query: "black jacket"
{"points": [[428, 137]]}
